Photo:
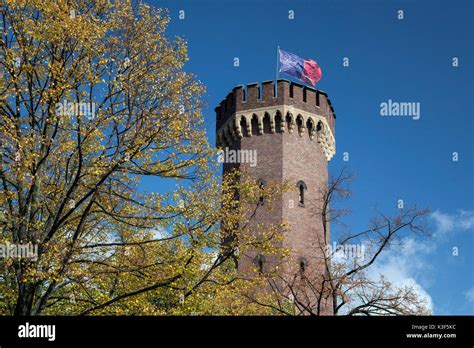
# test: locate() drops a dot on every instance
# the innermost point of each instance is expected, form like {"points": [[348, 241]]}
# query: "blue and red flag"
{"points": [[305, 70]]}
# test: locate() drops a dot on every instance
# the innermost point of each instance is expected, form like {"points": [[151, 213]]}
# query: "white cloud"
{"points": [[443, 221], [466, 220], [469, 294], [411, 264], [160, 233], [462, 220], [402, 267]]}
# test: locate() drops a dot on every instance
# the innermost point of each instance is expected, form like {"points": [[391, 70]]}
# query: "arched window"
{"points": [[278, 122], [244, 126], [266, 124], [303, 264], [309, 126], [260, 262], [300, 124], [319, 129], [254, 124], [289, 121], [261, 185], [301, 190]]}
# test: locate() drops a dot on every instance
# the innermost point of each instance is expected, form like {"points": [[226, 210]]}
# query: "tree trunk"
{"points": [[24, 303]]}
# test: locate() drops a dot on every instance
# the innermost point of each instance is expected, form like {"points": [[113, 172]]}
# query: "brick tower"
{"points": [[293, 133]]}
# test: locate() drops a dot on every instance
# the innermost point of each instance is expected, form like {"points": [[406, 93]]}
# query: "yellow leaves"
{"points": [[150, 111]]}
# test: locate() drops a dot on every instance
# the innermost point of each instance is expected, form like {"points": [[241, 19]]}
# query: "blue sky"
{"points": [[407, 60]]}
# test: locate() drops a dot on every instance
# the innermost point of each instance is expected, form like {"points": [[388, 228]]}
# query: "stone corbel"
{"points": [[238, 127], [272, 124]]}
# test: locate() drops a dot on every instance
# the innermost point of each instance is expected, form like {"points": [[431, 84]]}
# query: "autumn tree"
{"points": [[94, 98], [339, 282]]}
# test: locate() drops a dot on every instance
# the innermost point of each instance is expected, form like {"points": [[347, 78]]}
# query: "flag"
{"points": [[305, 70]]}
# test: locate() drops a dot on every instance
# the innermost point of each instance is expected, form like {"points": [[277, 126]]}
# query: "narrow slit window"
{"points": [[303, 265], [301, 196], [260, 262], [301, 192], [261, 185]]}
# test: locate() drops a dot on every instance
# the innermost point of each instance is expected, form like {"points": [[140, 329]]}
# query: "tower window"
{"points": [[254, 124], [309, 126], [301, 189], [261, 185], [244, 126], [300, 124], [259, 262], [266, 124], [319, 127], [278, 123], [289, 121], [303, 264]]}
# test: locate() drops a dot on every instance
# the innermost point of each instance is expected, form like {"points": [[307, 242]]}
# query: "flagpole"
{"points": [[276, 75]]}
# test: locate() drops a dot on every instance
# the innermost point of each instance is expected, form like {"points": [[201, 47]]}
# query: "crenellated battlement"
{"points": [[256, 96], [254, 109]]}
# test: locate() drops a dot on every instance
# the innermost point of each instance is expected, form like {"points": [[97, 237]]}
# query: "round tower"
{"points": [[292, 134]]}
